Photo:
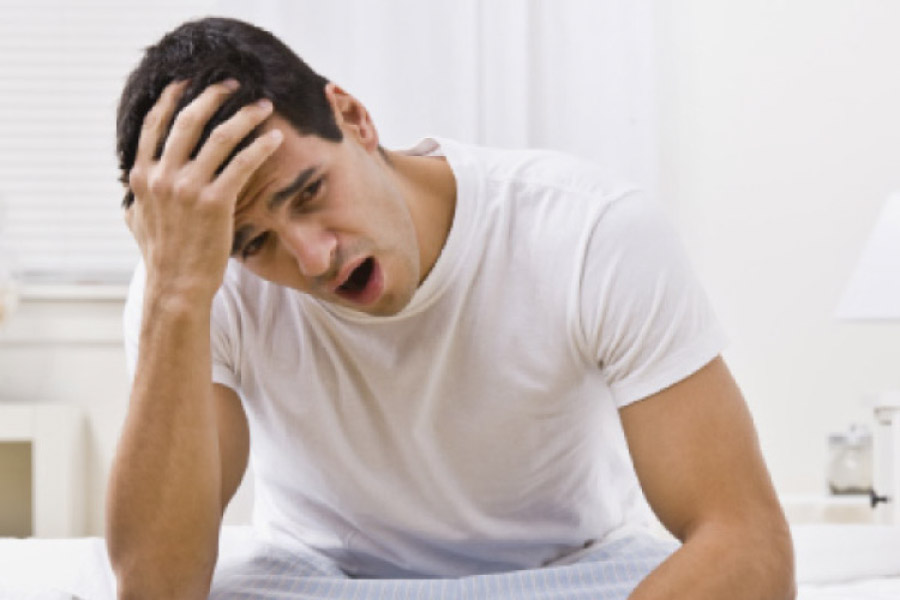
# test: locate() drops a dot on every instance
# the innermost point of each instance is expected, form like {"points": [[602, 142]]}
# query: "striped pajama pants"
{"points": [[607, 572]]}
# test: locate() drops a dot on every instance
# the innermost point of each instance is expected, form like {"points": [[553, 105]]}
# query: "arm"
{"points": [[184, 445], [698, 460]]}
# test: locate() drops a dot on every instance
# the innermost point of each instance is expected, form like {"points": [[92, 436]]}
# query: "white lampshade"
{"points": [[874, 288]]}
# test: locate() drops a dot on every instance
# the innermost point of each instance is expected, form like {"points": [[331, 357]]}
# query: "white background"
{"points": [[780, 141]]}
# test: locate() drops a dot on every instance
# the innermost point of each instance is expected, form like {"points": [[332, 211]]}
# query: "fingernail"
{"points": [[264, 103], [231, 84], [276, 135]]}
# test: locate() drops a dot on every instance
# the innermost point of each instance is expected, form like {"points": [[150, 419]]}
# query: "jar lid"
{"points": [[856, 435]]}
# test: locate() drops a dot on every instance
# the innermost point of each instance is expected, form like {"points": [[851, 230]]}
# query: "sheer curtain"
{"points": [[574, 75]]}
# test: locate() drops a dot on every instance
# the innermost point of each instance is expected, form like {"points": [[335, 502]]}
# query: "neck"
{"points": [[430, 189]]}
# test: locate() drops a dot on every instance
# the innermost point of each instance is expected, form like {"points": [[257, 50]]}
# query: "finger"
{"points": [[226, 137], [244, 164], [189, 123], [157, 120]]}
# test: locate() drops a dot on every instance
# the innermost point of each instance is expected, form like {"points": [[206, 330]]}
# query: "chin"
{"points": [[387, 309], [393, 298], [391, 303]]}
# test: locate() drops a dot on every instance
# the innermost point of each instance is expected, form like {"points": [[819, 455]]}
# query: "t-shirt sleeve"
{"points": [[645, 319], [131, 317], [225, 341], [223, 331]]}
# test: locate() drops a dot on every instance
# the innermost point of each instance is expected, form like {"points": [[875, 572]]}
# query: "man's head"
{"points": [[329, 213], [216, 49]]}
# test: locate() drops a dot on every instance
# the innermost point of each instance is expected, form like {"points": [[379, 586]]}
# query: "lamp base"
{"points": [[886, 476]]}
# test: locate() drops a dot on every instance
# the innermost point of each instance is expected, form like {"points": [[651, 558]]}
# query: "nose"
{"points": [[313, 248]]}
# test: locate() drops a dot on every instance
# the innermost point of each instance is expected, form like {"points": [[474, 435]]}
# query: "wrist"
{"points": [[182, 303], [178, 296]]}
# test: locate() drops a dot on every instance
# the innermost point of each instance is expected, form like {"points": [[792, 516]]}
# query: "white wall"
{"points": [[57, 349], [63, 346], [780, 136]]}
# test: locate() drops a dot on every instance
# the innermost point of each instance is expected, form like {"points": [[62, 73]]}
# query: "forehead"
{"points": [[296, 154]]}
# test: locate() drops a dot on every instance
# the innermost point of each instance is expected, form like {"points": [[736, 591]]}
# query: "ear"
{"points": [[351, 116]]}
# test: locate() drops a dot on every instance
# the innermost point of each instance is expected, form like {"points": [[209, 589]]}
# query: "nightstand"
{"points": [[826, 508], [42, 469]]}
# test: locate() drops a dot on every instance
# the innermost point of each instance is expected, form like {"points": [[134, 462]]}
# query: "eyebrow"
{"points": [[280, 196], [273, 204]]}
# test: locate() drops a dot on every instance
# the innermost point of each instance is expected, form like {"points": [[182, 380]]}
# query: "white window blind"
{"points": [[62, 67]]}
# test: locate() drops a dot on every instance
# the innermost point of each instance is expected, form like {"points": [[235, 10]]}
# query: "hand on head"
{"points": [[182, 214]]}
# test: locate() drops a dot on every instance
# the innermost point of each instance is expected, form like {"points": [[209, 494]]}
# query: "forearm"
{"points": [[166, 495], [718, 562], [163, 507]]}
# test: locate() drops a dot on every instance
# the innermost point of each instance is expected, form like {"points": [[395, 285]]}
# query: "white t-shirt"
{"points": [[477, 430]]}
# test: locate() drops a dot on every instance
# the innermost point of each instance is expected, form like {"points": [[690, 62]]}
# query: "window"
{"points": [[62, 67]]}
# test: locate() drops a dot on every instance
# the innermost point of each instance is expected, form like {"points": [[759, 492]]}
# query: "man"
{"points": [[435, 354]]}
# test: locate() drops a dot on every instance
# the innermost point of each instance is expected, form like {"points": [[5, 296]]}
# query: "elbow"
{"points": [[768, 551], [160, 572], [788, 580], [156, 558], [784, 583], [156, 592], [756, 557], [776, 558], [160, 582]]}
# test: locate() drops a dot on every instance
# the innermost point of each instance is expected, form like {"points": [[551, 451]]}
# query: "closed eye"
{"points": [[254, 246], [308, 193]]}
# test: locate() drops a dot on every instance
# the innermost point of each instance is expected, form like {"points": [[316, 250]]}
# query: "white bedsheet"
{"points": [[834, 562], [869, 589], [55, 569], [840, 553]]}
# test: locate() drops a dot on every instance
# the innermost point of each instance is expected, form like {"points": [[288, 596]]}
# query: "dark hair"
{"points": [[210, 50]]}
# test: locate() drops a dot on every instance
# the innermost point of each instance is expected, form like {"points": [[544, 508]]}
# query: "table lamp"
{"points": [[873, 293]]}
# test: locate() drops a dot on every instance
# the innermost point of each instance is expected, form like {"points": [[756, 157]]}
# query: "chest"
{"points": [[479, 404]]}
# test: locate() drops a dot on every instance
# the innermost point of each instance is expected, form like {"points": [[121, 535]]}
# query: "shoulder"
{"points": [[542, 169]]}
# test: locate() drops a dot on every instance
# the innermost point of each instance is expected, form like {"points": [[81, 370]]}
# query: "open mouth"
{"points": [[360, 285]]}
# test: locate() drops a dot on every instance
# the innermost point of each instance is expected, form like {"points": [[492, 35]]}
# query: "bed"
{"points": [[834, 562], [848, 562]]}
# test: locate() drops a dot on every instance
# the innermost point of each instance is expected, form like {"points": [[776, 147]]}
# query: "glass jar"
{"points": [[850, 461]]}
